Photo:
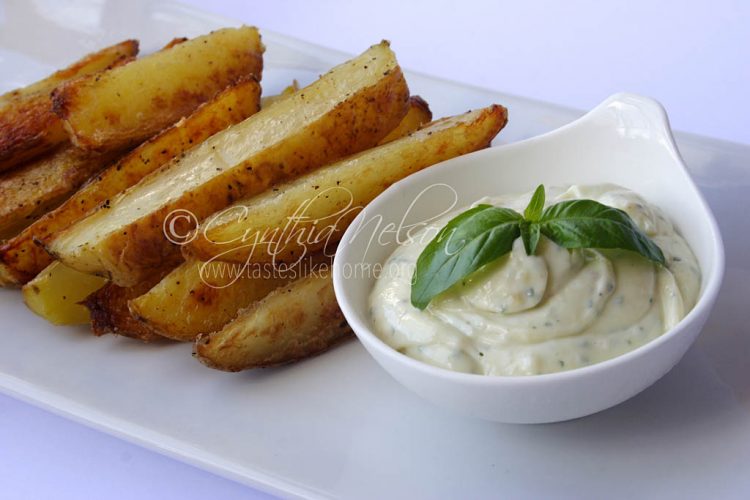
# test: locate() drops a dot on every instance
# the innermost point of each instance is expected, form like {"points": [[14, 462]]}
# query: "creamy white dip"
{"points": [[557, 310]]}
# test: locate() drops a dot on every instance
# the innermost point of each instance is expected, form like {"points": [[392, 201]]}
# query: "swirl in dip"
{"points": [[557, 310]]}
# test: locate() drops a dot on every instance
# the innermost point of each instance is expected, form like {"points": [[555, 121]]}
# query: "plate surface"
{"points": [[337, 425]]}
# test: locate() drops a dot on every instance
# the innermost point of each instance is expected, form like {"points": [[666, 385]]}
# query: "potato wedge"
{"points": [[293, 322], [289, 90], [199, 297], [312, 211], [28, 125], [28, 192], [418, 115], [55, 294], [108, 307], [89, 64], [23, 259], [131, 103], [347, 110]]}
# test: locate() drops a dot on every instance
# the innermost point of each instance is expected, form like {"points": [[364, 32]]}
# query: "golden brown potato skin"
{"points": [[294, 322], [28, 125], [418, 115], [91, 63], [129, 253], [28, 130], [325, 201], [191, 300], [28, 192], [109, 311], [23, 259], [131, 103]]}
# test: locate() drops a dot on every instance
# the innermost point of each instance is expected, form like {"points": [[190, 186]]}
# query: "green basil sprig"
{"points": [[485, 233]]}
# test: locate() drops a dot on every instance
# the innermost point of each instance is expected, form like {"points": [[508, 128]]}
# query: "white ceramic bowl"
{"points": [[626, 140]]}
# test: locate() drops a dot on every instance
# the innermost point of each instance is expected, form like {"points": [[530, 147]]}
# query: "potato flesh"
{"points": [[332, 196], [274, 140], [55, 294], [225, 151], [28, 125], [91, 63], [191, 300], [419, 114], [131, 103], [293, 322], [28, 192], [23, 258]]}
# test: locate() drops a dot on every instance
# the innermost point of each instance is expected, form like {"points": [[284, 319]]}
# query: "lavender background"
{"points": [[693, 57]]}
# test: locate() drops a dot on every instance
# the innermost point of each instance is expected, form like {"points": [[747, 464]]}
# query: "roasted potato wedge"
{"points": [[293, 322], [289, 90], [312, 211], [28, 125], [347, 110], [133, 102], [199, 297], [28, 130], [89, 64], [108, 308], [418, 115], [22, 259], [55, 294], [28, 192]]}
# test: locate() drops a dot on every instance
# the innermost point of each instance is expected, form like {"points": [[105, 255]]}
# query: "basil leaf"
{"points": [[530, 233], [536, 204], [469, 241], [589, 224], [486, 233]]}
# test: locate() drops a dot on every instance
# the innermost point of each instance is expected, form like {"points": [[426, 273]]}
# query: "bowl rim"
{"points": [[708, 293]]}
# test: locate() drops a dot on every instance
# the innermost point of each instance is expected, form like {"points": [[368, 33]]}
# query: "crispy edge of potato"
{"points": [[108, 307], [23, 256], [90, 63], [418, 115], [27, 193], [55, 294], [6, 277], [194, 298], [129, 247], [174, 42], [28, 131], [28, 125], [294, 322], [313, 211], [288, 90], [102, 113]]}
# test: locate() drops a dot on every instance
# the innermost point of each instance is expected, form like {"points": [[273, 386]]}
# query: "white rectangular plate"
{"points": [[337, 425]]}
